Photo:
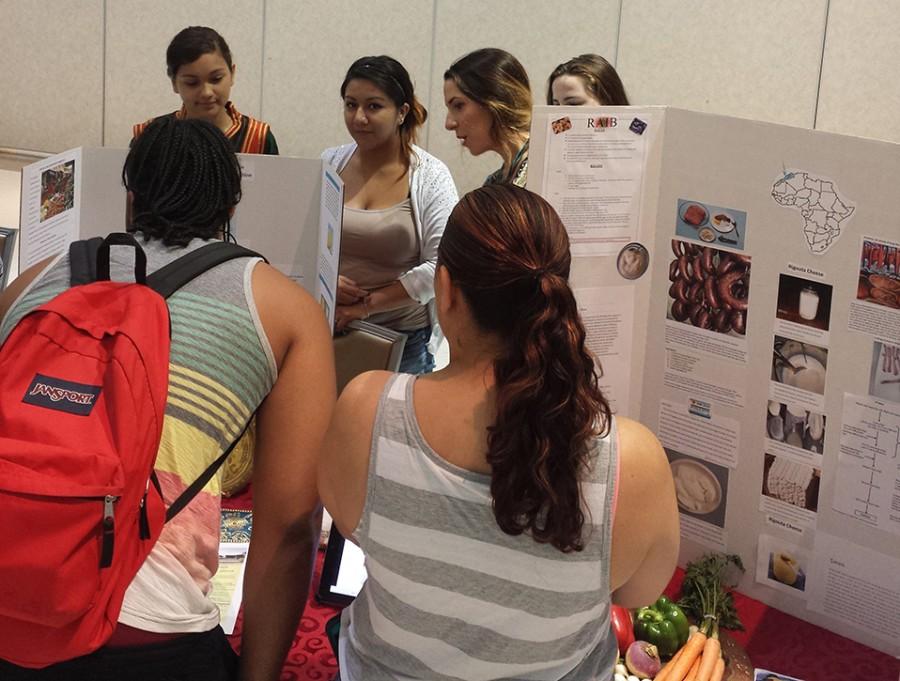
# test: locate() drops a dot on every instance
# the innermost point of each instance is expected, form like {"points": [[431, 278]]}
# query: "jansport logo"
{"points": [[67, 396]]}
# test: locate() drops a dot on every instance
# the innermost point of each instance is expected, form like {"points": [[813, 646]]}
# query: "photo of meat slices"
{"points": [[695, 215], [561, 125]]}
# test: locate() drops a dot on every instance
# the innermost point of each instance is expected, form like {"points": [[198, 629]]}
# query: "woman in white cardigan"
{"points": [[397, 198]]}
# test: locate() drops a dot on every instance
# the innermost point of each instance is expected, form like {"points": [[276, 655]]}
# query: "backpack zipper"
{"points": [[108, 529], [143, 519]]}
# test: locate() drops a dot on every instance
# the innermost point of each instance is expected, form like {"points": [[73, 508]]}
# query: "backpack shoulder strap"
{"points": [[177, 273], [166, 281], [194, 488], [83, 261]]}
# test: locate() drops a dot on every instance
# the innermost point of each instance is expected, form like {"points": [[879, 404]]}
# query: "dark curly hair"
{"points": [[508, 252], [184, 179]]}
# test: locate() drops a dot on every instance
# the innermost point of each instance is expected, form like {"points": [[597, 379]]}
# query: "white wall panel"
{"points": [[137, 35], [51, 78], [539, 34], [860, 93], [309, 47], [751, 59]]}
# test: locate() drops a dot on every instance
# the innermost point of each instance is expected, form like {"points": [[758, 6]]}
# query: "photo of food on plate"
{"points": [[701, 487], [794, 425], [709, 288], [805, 302], [879, 274], [884, 379], [561, 125], [633, 261], [57, 190], [791, 482], [702, 221], [800, 365]]}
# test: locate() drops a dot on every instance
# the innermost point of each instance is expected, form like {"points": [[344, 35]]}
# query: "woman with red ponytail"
{"points": [[500, 504]]}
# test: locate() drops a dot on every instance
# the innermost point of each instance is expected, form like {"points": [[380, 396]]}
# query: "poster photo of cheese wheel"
{"points": [[709, 288]]}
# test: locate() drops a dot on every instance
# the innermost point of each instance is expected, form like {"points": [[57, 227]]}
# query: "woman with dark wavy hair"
{"points": [[500, 505]]}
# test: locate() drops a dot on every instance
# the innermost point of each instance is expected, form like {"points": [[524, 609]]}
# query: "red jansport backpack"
{"points": [[83, 384]]}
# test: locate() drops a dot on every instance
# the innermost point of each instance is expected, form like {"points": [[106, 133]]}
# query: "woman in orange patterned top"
{"points": [[199, 63]]}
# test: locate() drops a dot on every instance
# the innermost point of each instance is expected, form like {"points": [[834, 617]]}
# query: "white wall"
{"points": [[82, 72]]}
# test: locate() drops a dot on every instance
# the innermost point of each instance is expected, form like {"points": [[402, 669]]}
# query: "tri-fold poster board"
{"points": [[740, 284], [290, 211]]}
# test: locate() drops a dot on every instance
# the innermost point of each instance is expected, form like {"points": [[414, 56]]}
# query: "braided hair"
{"points": [[185, 181]]}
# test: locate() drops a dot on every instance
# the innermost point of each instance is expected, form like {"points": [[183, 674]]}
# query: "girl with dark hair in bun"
{"points": [[198, 62], [397, 198], [500, 505]]}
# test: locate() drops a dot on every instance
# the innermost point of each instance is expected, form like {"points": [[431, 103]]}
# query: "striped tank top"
{"points": [[220, 369], [449, 595]]}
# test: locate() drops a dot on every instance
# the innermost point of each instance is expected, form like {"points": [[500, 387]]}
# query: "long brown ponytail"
{"points": [[508, 252]]}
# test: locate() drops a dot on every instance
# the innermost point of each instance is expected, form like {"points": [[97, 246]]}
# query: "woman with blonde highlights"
{"points": [[587, 79], [488, 100], [500, 505]]}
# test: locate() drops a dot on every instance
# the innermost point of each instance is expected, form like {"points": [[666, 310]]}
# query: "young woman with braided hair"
{"points": [[245, 339], [500, 505], [198, 62]]}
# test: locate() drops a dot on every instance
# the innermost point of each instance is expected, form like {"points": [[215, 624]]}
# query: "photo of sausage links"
{"points": [[709, 287]]}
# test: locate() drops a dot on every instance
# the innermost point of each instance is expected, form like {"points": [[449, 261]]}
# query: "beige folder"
{"points": [[365, 347]]}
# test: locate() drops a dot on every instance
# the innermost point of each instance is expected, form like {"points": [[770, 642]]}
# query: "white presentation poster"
{"points": [[51, 202], [765, 336], [79, 194], [330, 221]]}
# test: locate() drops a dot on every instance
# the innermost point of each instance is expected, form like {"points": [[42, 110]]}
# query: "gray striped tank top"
{"points": [[450, 595]]}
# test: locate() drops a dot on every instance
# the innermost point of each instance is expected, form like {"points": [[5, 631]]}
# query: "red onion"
{"points": [[642, 660]]}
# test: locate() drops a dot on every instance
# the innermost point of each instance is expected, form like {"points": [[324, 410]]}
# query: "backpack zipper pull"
{"points": [[108, 529], [143, 520]]}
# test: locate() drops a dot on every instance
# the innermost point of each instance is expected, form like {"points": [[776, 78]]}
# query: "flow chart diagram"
{"points": [[868, 478]]}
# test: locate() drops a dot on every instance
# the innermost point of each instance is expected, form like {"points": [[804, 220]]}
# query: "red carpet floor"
{"points": [[773, 640]]}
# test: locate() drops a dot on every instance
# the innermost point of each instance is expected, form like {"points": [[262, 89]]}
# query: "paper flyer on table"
{"points": [[228, 582]]}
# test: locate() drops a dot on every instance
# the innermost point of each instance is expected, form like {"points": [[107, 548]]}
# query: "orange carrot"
{"points": [[712, 651], [692, 650], [718, 670], [667, 668], [692, 674]]}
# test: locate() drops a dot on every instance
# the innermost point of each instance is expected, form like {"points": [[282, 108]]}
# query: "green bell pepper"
{"points": [[664, 625]]}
